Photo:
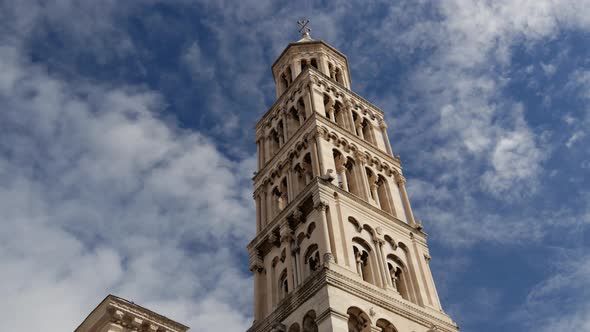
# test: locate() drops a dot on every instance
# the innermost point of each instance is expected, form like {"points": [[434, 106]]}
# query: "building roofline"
{"points": [[310, 42], [119, 300]]}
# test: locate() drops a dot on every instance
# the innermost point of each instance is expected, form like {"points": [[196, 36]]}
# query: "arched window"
{"points": [[368, 133], [358, 320], [283, 285], [307, 168], [372, 184], [284, 196], [331, 71], [294, 328], [284, 82], [274, 141], [384, 195], [300, 178], [292, 121], [309, 324], [399, 276], [314, 63], [301, 111], [364, 260], [339, 114], [277, 201], [340, 163], [312, 258], [338, 76], [353, 185], [303, 64], [357, 123], [385, 326], [289, 75]]}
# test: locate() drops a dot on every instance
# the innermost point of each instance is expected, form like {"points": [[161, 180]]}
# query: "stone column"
{"points": [[389, 199], [323, 227], [330, 112], [301, 110], [259, 154], [269, 203], [322, 63], [333, 321], [297, 265], [383, 127], [285, 126], [263, 209], [385, 268], [350, 118], [359, 263], [375, 194], [258, 213], [341, 170], [256, 267], [287, 238], [359, 129], [401, 182], [308, 103], [282, 138], [377, 243], [315, 158], [290, 182], [267, 151], [297, 68], [435, 297], [320, 154], [363, 175]]}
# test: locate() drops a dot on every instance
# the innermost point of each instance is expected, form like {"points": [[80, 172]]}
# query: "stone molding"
{"points": [[267, 231], [297, 142], [307, 47], [331, 131], [373, 208], [377, 296], [119, 311], [329, 277], [357, 101]]}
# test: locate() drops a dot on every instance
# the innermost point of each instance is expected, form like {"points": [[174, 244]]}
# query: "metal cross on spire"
{"points": [[303, 28]]}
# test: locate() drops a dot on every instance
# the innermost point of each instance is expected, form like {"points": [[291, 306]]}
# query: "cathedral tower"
{"points": [[337, 247]]}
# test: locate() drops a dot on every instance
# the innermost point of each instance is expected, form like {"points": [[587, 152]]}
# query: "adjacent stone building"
{"points": [[115, 314], [337, 247]]}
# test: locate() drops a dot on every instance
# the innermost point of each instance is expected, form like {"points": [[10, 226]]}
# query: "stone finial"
{"points": [[304, 30]]}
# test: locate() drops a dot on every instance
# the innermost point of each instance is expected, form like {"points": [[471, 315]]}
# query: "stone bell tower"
{"points": [[337, 247]]}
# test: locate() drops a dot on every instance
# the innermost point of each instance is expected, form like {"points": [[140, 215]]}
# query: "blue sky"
{"points": [[127, 147]]}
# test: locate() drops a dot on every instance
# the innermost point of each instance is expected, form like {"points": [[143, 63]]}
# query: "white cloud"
{"points": [[549, 69], [560, 302], [99, 195]]}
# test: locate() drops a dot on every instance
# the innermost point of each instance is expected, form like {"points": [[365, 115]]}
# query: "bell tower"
{"points": [[337, 247]]}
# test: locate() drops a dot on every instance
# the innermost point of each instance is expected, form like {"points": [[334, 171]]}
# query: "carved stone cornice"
{"points": [[256, 263], [326, 276], [367, 107], [399, 179], [119, 311], [367, 205], [331, 131], [321, 206], [296, 142]]}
